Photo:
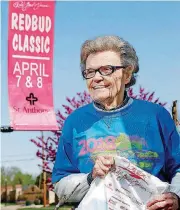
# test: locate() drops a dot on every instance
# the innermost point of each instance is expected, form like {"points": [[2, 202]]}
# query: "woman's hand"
{"points": [[166, 201], [103, 165]]}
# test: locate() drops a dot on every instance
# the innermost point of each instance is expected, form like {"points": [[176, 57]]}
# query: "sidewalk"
{"points": [[15, 207]]}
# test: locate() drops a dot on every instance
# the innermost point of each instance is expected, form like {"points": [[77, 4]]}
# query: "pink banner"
{"points": [[30, 65]]}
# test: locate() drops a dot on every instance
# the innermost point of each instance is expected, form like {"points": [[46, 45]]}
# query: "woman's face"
{"points": [[106, 88]]}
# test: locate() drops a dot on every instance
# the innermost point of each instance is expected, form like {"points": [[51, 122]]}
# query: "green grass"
{"points": [[47, 208], [65, 207], [8, 204]]}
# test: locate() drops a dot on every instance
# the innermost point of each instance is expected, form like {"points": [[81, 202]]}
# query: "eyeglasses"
{"points": [[103, 70]]}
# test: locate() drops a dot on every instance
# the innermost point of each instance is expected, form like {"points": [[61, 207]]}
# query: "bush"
{"points": [[21, 198], [28, 203], [40, 198], [37, 202]]}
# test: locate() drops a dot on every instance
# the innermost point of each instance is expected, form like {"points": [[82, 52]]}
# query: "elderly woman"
{"points": [[141, 131]]}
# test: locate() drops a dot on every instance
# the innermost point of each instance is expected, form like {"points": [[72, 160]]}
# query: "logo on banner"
{"points": [[31, 99], [24, 5]]}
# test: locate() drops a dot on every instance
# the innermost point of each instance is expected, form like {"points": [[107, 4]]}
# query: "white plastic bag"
{"points": [[126, 187]]}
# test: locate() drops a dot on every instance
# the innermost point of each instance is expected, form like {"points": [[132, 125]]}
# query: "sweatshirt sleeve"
{"points": [[71, 188], [69, 184], [173, 154], [171, 140], [65, 163]]}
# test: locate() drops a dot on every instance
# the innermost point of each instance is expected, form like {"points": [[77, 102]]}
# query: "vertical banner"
{"points": [[30, 65]]}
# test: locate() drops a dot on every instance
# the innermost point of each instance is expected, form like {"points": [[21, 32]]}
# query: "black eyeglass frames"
{"points": [[103, 70]]}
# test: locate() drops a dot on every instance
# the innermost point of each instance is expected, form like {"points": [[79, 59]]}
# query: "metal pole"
{"points": [[44, 173], [5, 191]]}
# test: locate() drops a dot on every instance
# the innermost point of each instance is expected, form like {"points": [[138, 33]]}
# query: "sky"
{"points": [[151, 27]]}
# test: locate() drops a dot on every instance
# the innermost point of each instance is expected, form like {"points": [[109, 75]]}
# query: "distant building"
{"points": [[20, 194], [12, 193], [32, 193]]}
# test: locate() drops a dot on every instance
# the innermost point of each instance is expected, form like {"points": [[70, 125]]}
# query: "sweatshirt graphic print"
{"points": [[143, 132]]}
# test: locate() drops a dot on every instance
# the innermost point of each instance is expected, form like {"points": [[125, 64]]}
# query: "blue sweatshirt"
{"points": [[141, 131]]}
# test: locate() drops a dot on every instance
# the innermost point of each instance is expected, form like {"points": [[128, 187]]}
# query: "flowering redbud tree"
{"points": [[50, 143]]}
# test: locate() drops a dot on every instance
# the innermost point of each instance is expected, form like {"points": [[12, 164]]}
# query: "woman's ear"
{"points": [[128, 74]]}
